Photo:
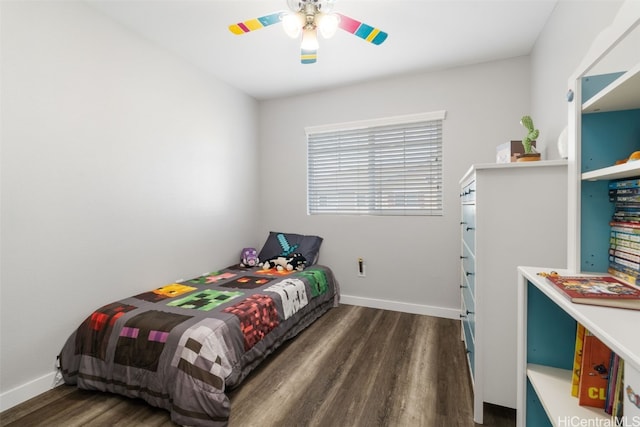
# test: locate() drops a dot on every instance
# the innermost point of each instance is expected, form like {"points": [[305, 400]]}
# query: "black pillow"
{"points": [[285, 244]]}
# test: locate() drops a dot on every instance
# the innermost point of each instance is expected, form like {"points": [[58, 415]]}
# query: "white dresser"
{"points": [[511, 214]]}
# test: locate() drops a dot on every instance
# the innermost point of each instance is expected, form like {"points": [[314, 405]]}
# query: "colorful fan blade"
{"points": [[362, 30], [308, 56], [256, 24]]}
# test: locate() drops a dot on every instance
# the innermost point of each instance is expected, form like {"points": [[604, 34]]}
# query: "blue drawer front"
{"points": [[468, 225], [468, 270], [468, 194], [468, 326], [469, 300]]}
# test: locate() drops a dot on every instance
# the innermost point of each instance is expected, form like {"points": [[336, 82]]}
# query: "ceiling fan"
{"points": [[307, 17]]}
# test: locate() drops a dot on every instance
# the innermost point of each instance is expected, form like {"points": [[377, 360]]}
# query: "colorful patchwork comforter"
{"points": [[179, 347]]}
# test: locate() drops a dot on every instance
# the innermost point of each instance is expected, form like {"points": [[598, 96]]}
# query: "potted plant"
{"points": [[530, 153]]}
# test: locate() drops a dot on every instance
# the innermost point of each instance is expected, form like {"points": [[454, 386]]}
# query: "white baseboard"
{"points": [[24, 392], [404, 307]]}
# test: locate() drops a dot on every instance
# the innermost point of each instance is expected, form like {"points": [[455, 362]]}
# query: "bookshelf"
{"points": [[604, 126], [546, 347]]}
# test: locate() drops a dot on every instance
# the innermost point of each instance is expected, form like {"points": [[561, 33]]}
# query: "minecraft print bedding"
{"points": [[181, 346]]}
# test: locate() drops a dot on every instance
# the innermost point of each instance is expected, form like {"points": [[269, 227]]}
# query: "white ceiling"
{"points": [[423, 35]]}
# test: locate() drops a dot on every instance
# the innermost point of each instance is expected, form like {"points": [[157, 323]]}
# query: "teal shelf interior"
{"points": [[594, 227], [536, 415], [551, 332], [551, 337], [591, 85], [606, 138]]}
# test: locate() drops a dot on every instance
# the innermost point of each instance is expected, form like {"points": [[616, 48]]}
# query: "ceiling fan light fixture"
{"points": [[292, 24], [307, 17], [309, 39], [328, 24]]}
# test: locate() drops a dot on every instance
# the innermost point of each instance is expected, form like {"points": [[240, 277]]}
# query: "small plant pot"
{"points": [[529, 157]]}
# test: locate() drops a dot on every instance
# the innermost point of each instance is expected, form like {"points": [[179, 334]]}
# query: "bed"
{"points": [[181, 346]]}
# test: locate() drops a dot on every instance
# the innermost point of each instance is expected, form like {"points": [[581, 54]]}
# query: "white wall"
{"points": [[412, 262], [123, 169], [557, 53]]}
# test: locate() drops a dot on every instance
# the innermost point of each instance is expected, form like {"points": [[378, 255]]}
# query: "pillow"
{"points": [[284, 244]]}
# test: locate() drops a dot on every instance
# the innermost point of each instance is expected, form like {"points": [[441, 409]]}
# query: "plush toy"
{"points": [[249, 257], [292, 262], [278, 262], [297, 262]]}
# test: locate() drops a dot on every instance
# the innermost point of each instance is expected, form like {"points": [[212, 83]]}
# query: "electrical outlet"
{"points": [[361, 268]]}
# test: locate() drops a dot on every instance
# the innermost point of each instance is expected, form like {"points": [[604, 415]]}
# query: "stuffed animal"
{"points": [[249, 257], [295, 261], [278, 262]]}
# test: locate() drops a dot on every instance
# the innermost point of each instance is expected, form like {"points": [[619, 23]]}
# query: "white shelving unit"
{"points": [[617, 328], [602, 130]]}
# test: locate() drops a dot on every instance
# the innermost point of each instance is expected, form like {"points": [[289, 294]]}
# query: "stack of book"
{"points": [[598, 379], [624, 244]]}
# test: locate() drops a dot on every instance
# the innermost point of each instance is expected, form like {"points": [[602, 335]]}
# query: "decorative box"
{"points": [[507, 152]]}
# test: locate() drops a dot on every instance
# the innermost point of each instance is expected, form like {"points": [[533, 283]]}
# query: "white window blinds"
{"points": [[379, 167]]}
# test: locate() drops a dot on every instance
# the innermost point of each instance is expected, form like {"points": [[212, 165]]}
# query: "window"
{"points": [[377, 167]]}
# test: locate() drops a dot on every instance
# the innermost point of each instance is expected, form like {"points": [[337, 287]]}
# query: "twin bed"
{"points": [[181, 346]]}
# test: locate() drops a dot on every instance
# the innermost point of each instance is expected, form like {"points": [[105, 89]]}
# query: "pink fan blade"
{"points": [[362, 30]]}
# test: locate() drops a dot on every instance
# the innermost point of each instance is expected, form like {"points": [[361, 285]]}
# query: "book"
{"points": [[619, 243], [633, 198], [621, 273], [624, 195], [623, 208], [626, 216], [621, 235], [623, 205], [577, 360], [628, 227], [618, 399], [623, 191], [597, 290], [624, 183], [594, 372], [625, 262], [624, 248], [609, 401], [625, 269], [625, 253]]}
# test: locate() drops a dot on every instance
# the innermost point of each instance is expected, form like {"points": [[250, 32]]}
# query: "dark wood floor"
{"points": [[355, 366]]}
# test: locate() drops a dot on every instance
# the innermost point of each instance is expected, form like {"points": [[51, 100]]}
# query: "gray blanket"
{"points": [[179, 347]]}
